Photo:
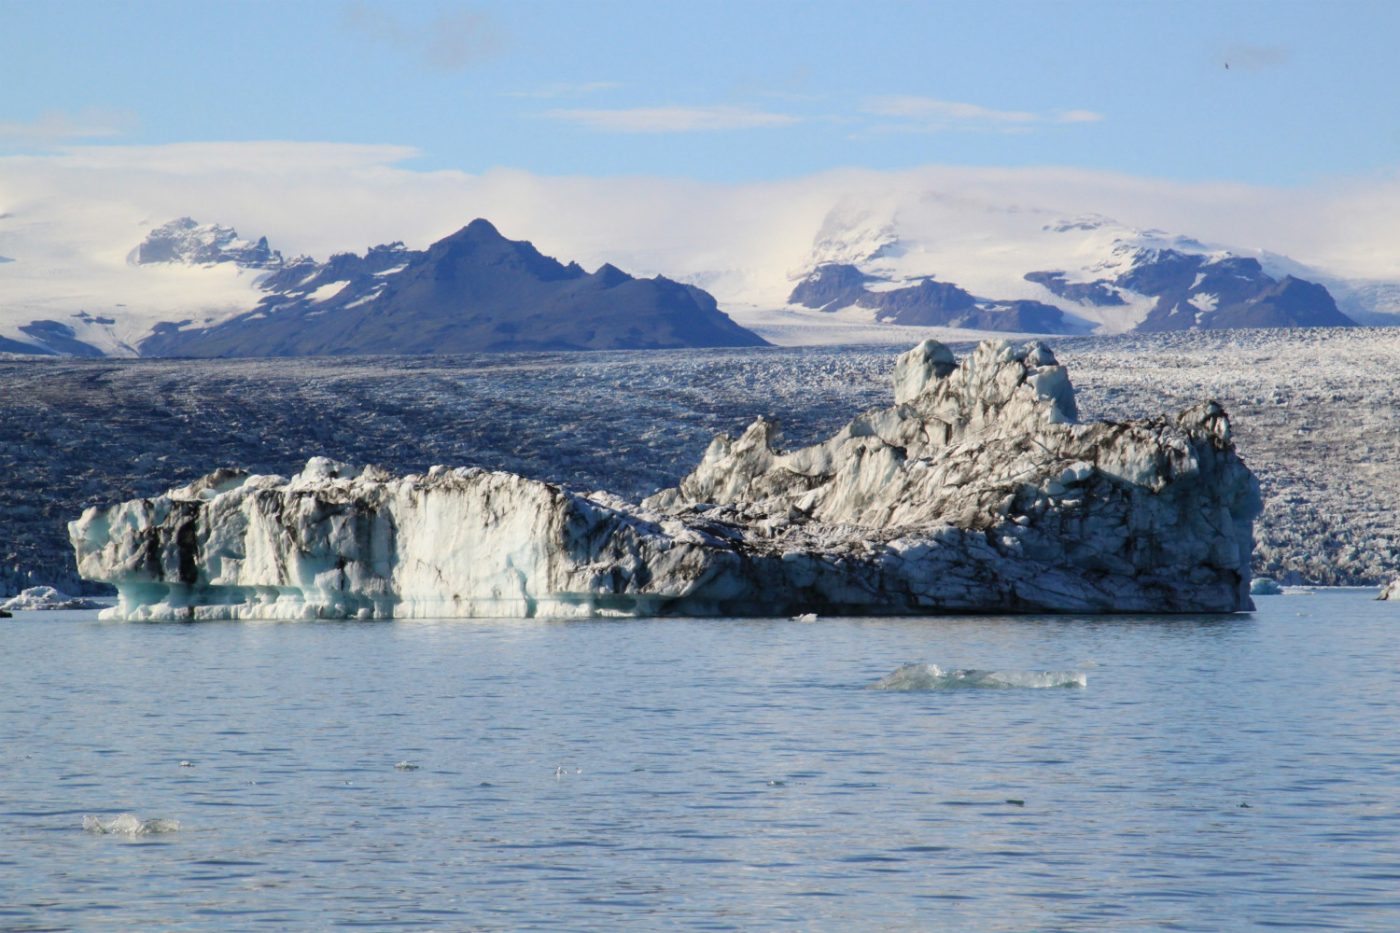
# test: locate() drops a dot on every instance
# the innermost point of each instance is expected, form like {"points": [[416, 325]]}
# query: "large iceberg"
{"points": [[978, 491]]}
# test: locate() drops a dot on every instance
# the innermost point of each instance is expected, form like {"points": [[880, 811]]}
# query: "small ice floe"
{"points": [[805, 617], [1391, 591], [129, 824], [561, 771], [405, 766], [186, 763], [932, 677], [1264, 586], [46, 597]]}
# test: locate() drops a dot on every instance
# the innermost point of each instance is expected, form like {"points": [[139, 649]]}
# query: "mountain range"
{"points": [[866, 268]]}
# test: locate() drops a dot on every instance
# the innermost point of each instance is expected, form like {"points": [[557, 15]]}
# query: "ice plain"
{"points": [[1316, 414]]}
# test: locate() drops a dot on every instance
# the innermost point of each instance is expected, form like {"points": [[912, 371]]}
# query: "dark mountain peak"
{"points": [[472, 291], [480, 245], [609, 275], [481, 227], [830, 287]]}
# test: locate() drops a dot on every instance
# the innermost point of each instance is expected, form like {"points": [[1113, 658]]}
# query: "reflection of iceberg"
{"points": [[129, 824], [932, 677], [979, 490]]}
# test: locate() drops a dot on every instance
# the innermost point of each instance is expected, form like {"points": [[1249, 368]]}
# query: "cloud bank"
{"points": [[95, 203]]}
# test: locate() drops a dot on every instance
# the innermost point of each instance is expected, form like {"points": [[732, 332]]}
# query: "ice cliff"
{"points": [[979, 490]]}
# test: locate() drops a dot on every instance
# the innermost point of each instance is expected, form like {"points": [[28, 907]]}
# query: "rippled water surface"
{"points": [[1215, 773]]}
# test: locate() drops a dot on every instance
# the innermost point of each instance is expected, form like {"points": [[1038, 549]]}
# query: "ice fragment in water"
{"points": [[129, 824], [932, 677]]}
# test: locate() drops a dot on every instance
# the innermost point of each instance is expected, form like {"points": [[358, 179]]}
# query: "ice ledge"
{"points": [[979, 491]]}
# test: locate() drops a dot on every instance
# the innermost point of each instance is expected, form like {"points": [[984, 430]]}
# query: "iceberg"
{"points": [[46, 597], [913, 677], [979, 490], [129, 824]]}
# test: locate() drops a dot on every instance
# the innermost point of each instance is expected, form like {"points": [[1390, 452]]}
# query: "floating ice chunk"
{"points": [[46, 597], [129, 824], [1263, 586], [932, 677], [979, 492], [805, 617], [405, 766], [1392, 591]]}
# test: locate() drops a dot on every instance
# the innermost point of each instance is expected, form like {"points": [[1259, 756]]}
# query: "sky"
{"points": [[725, 92], [712, 140]]}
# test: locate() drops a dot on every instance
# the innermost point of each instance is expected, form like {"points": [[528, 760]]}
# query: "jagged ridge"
{"points": [[469, 292]]}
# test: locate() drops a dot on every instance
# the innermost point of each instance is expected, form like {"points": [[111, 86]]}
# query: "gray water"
{"points": [[1215, 773]]}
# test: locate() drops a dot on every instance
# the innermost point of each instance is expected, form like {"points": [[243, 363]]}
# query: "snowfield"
{"points": [[1315, 414]]}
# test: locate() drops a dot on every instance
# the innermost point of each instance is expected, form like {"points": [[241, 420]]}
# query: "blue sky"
{"points": [[726, 91]]}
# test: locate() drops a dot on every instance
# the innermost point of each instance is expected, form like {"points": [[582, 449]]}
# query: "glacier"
{"points": [[979, 490]]}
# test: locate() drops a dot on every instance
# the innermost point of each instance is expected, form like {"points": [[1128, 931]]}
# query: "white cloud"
{"points": [[929, 114], [928, 108], [1078, 116], [564, 89], [672, 119], [55, 128], [80, 211]]}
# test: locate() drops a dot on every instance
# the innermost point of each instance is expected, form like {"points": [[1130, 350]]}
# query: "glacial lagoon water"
{"points": [[1211, 773]]}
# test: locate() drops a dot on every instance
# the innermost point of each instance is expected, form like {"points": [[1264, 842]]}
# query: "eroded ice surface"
{"points": [[979, 490]]}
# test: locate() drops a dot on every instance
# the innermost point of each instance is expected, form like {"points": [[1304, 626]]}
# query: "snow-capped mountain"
{"points": [[186, 241], [860, 258], [1090, 274], [472, 291]]}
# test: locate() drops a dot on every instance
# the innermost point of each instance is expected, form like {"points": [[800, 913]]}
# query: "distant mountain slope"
{"points": [[1062, 276], [1205, 292], [472, 291], [928, 303], [187, 241]]}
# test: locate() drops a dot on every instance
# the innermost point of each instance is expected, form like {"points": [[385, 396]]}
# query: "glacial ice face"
{"points": [[978, 491]]}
